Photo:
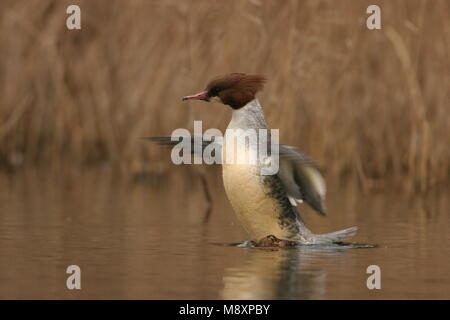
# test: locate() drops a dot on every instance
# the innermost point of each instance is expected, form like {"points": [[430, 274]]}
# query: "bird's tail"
{"points": [[333, 237]]}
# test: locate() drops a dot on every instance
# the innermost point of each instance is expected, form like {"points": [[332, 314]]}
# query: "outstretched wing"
{"points": [[197, 145], [298, 173], [301, 178]]}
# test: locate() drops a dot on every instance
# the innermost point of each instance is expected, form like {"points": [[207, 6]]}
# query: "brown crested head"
{"points": [[234, 89]]}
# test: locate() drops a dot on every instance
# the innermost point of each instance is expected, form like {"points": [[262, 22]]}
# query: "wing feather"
{"points": [[301, 178]]}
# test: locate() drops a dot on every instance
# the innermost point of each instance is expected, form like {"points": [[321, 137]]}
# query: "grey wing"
{"points": [[301, 178], [210, 148]]}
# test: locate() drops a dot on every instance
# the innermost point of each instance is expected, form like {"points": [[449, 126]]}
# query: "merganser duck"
{"points": [[266, 205]]}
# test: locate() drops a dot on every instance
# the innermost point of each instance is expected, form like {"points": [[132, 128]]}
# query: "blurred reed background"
{"points": [[373, 105]]}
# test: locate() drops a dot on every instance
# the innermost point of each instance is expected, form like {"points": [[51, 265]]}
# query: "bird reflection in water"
{"points": [[280, 273]]}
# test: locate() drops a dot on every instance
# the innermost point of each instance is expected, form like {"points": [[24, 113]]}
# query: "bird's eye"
{"points": [[214, 91]]}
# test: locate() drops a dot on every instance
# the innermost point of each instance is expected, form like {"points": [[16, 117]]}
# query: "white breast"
{"points": [[255, 209]]}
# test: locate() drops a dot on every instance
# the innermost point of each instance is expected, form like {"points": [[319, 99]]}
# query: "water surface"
{"points": [[148, 239]]}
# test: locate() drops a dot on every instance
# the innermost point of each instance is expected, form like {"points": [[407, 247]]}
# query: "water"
{"points": [[148, 239]]}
